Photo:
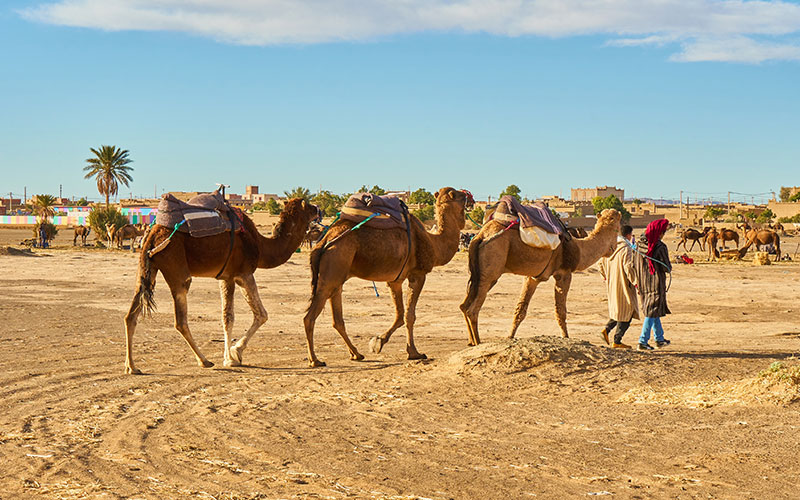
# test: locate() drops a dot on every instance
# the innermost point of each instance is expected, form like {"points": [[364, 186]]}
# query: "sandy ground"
{"points": [[538, 418]]}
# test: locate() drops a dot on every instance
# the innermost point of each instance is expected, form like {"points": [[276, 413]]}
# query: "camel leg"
{"points": [[561, 289], [473, 309], [250, 291], [226, 289], [415, 282], [333, 269], [679, 245], [180, 290], [313, 312], [528, 287], [396, 289], [131, 319], [338, 324], [691, 247]]}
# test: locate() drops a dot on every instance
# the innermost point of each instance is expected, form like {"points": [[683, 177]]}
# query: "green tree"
{"points": [[477, 215], [99, 217], [44, 206], [512, 190], [785, 193], [328, 202], [425, 213], [259, 206], [298, 192], [83, 202], [422, 197], [713, 212], [765, 217], [376, 189], [599, 203], [109, 167], [795, 197], [272, 206]]}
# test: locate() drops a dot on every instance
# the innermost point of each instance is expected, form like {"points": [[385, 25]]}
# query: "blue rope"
{"points": [[669, 270]]}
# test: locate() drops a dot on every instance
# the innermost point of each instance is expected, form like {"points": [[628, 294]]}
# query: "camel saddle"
{"points": [[389, 209], [539, 227], [204, 215]]}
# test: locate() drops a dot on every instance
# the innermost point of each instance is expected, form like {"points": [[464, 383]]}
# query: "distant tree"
{"points": [[298, 192], [785, 193], [329, 203], [259, 206], [765, 217], [44, 206], [713, 212], [477, 215], [110, 167], [795, 197], [425, 213], [637, 201], [272, 206], [376, 189], [99, 217], [83, 202], [422, 197], [599, 203], [512, 190]]}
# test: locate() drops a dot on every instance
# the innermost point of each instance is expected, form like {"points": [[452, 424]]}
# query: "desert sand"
{"points": [[538, 418]]}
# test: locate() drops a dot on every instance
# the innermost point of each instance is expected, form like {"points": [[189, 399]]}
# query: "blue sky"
{"points": [[655, 97]]}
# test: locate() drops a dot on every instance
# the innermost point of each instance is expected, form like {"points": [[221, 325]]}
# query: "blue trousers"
{"points": [[650, 324]]}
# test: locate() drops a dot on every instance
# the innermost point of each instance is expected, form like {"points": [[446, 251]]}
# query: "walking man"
{"points": [[653, 270], [619, 271]]}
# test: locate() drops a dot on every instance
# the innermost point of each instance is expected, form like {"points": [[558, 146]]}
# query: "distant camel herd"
{"points": [[710, 237]]}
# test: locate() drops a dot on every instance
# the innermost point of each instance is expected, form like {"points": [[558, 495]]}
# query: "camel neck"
{"points": [[278, 248], [449, 223], [595, 246]]}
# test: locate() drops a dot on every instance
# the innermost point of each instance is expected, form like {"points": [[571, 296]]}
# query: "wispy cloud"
{"points": [[703, 30]]}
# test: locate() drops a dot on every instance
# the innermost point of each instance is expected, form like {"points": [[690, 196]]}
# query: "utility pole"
{"points": [[10, 195], [59, 191], [25, 196], [680, 205], [729, 202]]}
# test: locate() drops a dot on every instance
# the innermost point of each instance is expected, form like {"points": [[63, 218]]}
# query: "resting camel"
{"points": [[725, 235], [83, 233], [694, 235], [762, 237], [496, 251], [383, 255], [185, 257]]}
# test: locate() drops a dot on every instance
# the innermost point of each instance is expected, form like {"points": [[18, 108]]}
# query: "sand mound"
{"points": [[17, 252], [776, 385], [518, 355]]}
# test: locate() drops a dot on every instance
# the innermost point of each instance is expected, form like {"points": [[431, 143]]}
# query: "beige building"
{"points": [[588, 194]]}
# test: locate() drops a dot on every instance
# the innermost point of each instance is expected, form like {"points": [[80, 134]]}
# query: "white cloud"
{"points": [[707, 30]]}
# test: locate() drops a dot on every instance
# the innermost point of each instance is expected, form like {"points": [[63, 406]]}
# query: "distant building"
{"points": [[250, 190], [588, 194]]}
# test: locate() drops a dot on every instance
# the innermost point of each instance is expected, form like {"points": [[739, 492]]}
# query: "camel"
{"points": [[83, 233], [383, 255], [212, 257], [694, 235], [497, 250], [725, 235], [111, 230], [577, 232], [712, 237], [313, 234], [762, 237], [778, 228], [128, 231]]}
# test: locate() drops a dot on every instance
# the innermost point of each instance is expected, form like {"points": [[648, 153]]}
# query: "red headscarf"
{"points": [[655, 230]]}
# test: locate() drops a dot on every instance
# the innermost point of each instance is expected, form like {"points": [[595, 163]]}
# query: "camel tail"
{"points": [[474, 269], [145, 295]]}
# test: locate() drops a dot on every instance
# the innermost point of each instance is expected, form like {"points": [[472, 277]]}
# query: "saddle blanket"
{"points": [[361, 206], [538, 226], [204, 215]]}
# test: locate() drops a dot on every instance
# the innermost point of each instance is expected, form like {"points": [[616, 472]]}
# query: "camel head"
{"points": [[300, 209], [452, 195]]}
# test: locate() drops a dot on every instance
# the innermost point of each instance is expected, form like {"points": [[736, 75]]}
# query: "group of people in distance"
{"points": [[631, 276]]}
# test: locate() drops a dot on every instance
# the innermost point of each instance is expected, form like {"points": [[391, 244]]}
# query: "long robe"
{"points": [[620, 274], [653, 287]]}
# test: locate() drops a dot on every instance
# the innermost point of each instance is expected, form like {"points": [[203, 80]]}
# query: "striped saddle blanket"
{"points": [[204, 215], [390, 210]]}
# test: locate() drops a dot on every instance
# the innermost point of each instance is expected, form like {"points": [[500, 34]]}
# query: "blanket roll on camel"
{"points": [[499, 249], [538, 226], [393, 255], [229, 256]]}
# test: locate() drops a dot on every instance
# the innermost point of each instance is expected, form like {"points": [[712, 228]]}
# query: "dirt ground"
{"points": [[542, 417]]}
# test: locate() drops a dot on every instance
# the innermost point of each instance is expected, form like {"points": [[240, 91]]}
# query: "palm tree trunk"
{"points": [[106, 201]]}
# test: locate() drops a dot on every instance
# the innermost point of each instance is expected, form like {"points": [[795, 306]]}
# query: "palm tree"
{"points": [[298, 192], [110, 166], [43, 206]]}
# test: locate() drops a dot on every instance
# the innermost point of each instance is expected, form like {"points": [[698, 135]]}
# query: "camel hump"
{"points": [[380, 212], [204, 215]]}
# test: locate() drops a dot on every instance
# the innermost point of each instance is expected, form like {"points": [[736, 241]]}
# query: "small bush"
{"points": [[99, 217], [425, 213], [50, 230]]}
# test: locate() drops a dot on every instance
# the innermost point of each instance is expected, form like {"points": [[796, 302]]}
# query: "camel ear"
{"points": [[436, 194], [451, 193]]}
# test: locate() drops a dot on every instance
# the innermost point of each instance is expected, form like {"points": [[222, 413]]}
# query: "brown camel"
{"points": [[712, 237], [695, 236], [577, 232], [185, 257], [383, 255], [111, 230], [83, 233], [762, 237], [313, 234], [497, 250], [725, 235], [128, 231]]}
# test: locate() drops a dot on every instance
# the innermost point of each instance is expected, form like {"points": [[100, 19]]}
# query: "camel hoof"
{"points": [[206, 364], [471, 344], [418, 355], [357, 357], [236, 356], [316, 363], [132, 371], [376, 344], [231, 362]]}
